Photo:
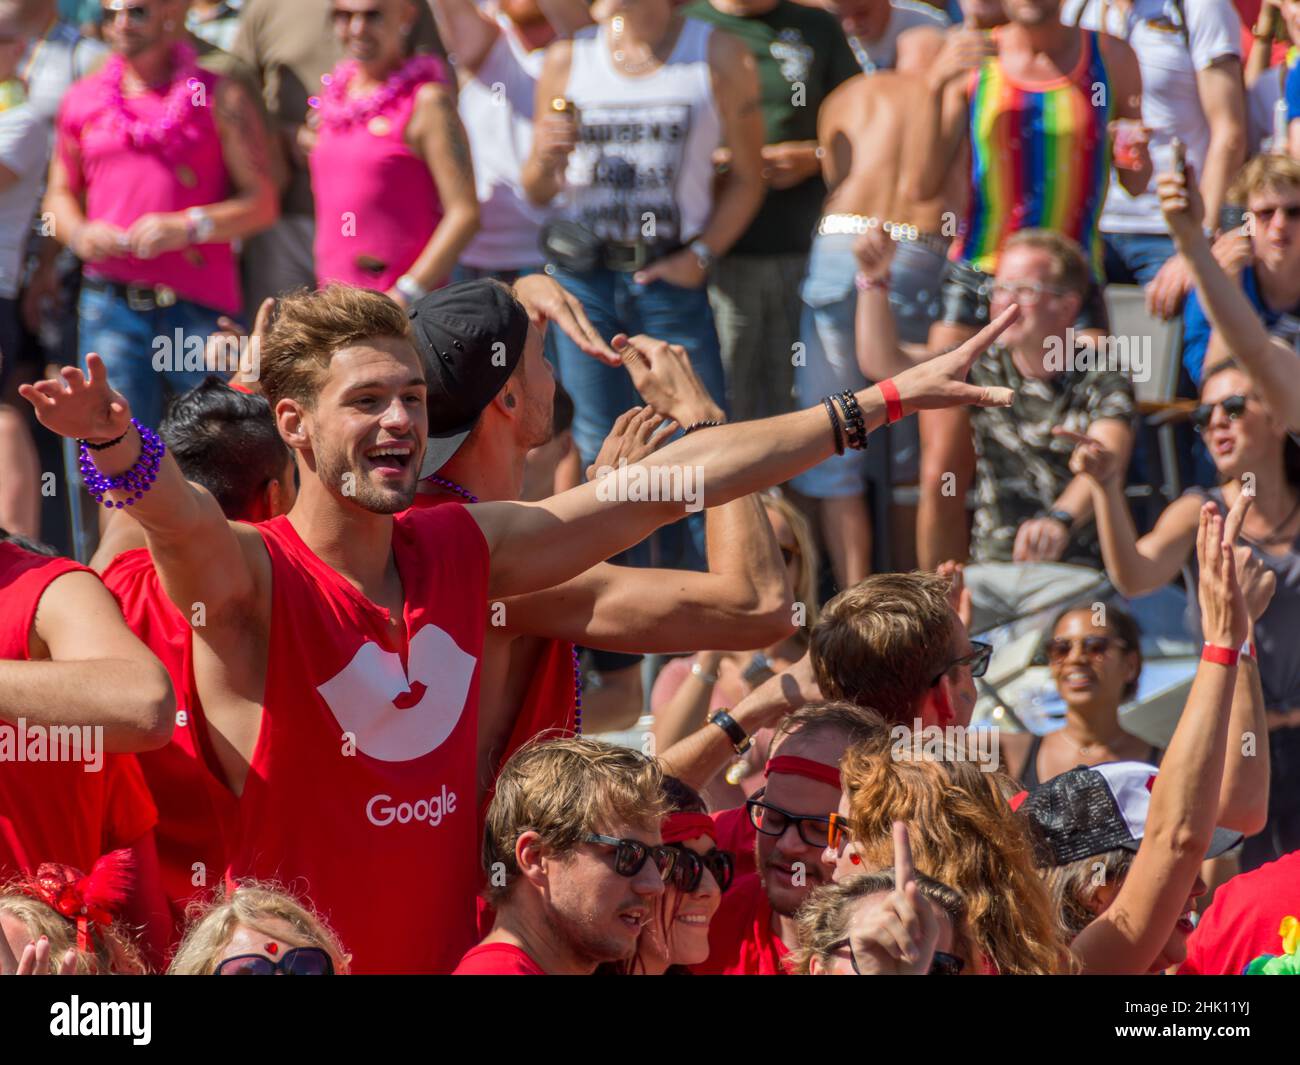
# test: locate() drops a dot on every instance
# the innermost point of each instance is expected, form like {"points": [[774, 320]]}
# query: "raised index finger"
{"points": [[981, 341], [904, 871]]}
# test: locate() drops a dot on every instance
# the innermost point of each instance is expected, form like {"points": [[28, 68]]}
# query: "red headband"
{"points": [[84, 897], [803, 767], [679, 827]]}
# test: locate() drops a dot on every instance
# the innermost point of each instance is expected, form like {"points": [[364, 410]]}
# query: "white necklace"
{"points": [[620, 57]]}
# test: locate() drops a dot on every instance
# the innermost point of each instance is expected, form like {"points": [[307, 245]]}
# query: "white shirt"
{"points": [[25, 139], [1169, 59]]}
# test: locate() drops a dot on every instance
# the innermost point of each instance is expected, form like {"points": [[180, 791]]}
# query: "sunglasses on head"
{"points": [[1058, 648], [773, 821], [631, 854], [300, 961], [689, 868], [978, 660], [1233, 407], [137, 14], [1265, 214], [943, 964]]}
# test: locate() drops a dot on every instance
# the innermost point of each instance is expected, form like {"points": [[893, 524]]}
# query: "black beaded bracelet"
{"points": [[855, 427], [835, 425], [710, 424], [105, 445]]}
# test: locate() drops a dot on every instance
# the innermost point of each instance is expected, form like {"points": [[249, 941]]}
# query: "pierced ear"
{"points": [[289, 420]]}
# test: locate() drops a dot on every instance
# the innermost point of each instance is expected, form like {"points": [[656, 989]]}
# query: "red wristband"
{"points": [[893, 404], [1221, 656]]}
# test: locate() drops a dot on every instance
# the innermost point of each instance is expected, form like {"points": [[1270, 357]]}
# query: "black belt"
{"points": [[634, 255], [137, 297]]}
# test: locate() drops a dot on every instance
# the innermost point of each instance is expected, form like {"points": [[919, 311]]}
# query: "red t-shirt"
{"points": [[198, 813], [741, 940], [361, 791], [1242, 922], [736, 833], [497, 959], [54, 810]]}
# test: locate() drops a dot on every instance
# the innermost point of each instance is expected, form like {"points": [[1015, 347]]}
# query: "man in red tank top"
{"points": [[227, 442], [75, 684], [338, 659], [574, 859], [477, 449]]}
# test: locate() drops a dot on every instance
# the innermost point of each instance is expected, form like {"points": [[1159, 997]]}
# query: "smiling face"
{"points": [[1085, 678], [133, 27], [1239, 445], [684, 916], [597, 912], [1024, 274], [372, 30], [367, 429]]}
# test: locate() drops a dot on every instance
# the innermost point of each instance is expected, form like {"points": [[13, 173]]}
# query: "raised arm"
{"points": [[537, 545], [1135, 566], [1271, 363], [940, 116], [196, 551], [554, 134], [1223, 99], [88, 668], [875, 331], [1128, 935]]}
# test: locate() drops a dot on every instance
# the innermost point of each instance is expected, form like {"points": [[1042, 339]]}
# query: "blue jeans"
{"points": [[130, 342], [1135, 258], [461, 272]]}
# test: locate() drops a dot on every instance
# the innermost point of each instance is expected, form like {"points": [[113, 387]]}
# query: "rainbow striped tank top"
{"points": [[1040, 157]]}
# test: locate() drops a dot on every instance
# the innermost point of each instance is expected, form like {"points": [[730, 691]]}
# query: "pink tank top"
{"points": [[376, 201], [361, 788], [121, 182]]}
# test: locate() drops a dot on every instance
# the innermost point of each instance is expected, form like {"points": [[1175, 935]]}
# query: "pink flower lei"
{"points": [[338, 110], [178, 125]]}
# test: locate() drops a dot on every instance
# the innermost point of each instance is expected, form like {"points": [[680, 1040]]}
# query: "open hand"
{"points": [[546, 300], [80, 406], [636, 433], [940, 382], [1225, 618], [664, 376]]}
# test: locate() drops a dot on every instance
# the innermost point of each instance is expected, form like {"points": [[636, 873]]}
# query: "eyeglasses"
{"points": [[1290, 210], [773, 821], [977, 659], [1058, 648], [300, 961], [1025, 293], [342, 16], [689, 868], [1233, 407], [138, 14], [838, 831], [631, 854], [942, 964]]}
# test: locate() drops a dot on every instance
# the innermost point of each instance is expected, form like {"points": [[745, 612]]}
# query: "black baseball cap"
{"points": [[1091, 810], [472, 337]]}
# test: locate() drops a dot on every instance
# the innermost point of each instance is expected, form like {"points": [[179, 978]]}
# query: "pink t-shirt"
{"points": [[122, 182], [375, 198]]}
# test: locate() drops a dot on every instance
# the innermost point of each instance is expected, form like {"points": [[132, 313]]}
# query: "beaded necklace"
{"points": [[469, 497], [178, 125], [338, 109]]}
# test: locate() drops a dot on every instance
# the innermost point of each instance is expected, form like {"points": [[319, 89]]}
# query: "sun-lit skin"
{"points": [[378, 40], [130, 38], [1049, 316], [1086, 682], [271, 943], [1275, 241], [690, 915], [1249, 442], [1174, 952], [842, 859], [1032, 12], [840, 963]]}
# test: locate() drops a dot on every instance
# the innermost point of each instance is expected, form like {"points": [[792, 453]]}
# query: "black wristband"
{"points": [[1063, 516], [105, 445], [740, 739], [855, 427], [835, 425]]}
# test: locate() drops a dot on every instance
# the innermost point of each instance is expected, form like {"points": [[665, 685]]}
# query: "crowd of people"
{"points": [[416, 391]]}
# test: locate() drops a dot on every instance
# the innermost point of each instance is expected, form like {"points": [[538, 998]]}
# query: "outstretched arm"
{"points": [[1128, 935], [88, 668], [537, 545]]}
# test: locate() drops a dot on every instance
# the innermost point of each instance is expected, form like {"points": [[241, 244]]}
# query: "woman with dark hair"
{"points": [[1095, 657], [1256, 458]]}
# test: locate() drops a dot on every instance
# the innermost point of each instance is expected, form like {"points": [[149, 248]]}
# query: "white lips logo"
{"points": [[395, 720]]}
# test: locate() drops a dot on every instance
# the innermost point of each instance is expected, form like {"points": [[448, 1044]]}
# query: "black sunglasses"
{"points": [[372, 17], [631, 854], [1233, 407], [1058, 648], [1265, 214], [943, 964], [300, 961], [689, 868], [773, 821], [977, 659], [138, 14]]}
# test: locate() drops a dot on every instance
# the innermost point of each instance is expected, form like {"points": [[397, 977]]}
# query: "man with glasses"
{"points": [[573, 857], [754, 929]]}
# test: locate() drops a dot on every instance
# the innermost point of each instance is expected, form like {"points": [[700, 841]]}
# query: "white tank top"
{"points": [[643, 167], [496, 107]]}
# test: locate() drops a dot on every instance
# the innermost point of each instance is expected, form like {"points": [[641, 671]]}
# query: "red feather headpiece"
{"points": [[84, 897]]}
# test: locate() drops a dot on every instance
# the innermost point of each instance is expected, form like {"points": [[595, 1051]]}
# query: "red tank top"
{"points": [[741, 940], [54, 810], [197, 812], [361, 789]]}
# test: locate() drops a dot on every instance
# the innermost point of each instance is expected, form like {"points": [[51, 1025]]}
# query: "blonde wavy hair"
{"points": [[114, 950], [255, 904], [964, 834], [805, 589]]}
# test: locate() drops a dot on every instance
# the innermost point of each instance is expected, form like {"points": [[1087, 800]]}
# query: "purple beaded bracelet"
{"points": [[138, 479]]}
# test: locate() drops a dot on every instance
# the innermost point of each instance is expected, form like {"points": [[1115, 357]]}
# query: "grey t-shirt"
{"points": [[24, 148]]}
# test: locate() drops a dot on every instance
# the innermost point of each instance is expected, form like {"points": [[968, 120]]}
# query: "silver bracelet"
{"points": [[411, 290], [697, 670]]}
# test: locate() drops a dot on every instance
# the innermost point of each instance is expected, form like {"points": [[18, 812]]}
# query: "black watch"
{"points": [[1063, 516], [741, 740]]}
